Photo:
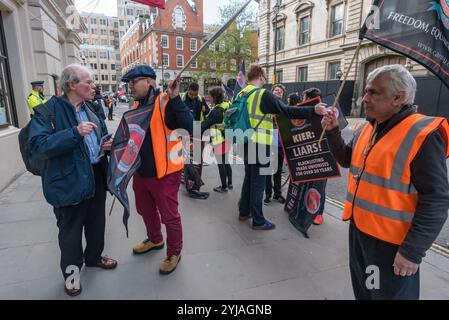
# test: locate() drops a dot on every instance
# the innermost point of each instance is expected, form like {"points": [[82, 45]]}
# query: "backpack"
{"points": [[236, 117], [34, 164]]}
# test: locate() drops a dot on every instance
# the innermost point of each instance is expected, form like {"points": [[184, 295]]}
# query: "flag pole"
{"points": [[112, 206], [213, 38], [342, 85]]}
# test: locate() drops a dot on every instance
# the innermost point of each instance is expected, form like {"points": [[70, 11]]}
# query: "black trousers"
{"points": [[110, 113], [224, 169], [90, 215], [366, 252], [250, 203], [275, 181]]}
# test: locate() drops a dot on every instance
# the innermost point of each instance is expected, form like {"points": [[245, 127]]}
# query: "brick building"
{"points": [[165, 39]]}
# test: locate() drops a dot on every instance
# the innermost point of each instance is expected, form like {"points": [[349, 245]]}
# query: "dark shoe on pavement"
{"points": [[319, 219], [107, 263], [244, 218], [279, 199], [220, 189], [230, 186], [267, 200], [73, 292], [266, 226]]}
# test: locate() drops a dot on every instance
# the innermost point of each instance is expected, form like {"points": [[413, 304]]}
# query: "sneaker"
{"points": [[279, 199], [220, 189], [267, 200], [169, 264], [266, 226], [146, 246], [230, 186], [319, 219]]}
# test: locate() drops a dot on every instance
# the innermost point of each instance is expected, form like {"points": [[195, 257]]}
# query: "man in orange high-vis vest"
{"points": [[398, 192], [157, 180]]}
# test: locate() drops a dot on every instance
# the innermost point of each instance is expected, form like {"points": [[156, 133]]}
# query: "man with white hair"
{"points": [[398, 196], [74, 179]]}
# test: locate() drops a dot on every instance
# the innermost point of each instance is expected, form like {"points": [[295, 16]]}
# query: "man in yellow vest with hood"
{"points": [[36, 97], [398, 192]]}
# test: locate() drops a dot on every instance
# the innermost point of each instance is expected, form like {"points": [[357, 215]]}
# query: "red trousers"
{"points": [[156, 201]]}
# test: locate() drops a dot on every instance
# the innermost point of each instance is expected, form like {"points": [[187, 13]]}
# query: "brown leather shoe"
{"points": [[73, 292], [107, 263]]}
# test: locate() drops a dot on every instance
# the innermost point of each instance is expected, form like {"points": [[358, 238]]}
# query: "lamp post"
{"points": [[162, 61], [276, 11]]}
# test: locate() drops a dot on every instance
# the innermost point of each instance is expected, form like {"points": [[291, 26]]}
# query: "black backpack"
{"points": [[34, 164]]}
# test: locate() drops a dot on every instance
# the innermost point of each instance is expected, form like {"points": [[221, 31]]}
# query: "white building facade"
{"points": [[37, 39], [316, 41]]}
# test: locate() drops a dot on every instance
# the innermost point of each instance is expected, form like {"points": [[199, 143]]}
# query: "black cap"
{"points": [[37, 83], [141, 70]]}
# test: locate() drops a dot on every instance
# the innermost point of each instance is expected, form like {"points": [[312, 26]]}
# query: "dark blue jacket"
{"points": [[68, 177]]}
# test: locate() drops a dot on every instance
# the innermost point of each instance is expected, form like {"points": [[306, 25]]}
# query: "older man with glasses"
{"points": [[67, 133]]}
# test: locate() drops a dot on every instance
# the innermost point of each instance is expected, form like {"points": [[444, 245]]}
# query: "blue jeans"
{"points": [[250, 203]]}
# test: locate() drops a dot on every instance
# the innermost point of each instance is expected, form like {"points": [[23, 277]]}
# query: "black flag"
{"points": [[304, 202], [415, 28], [125, 157]]}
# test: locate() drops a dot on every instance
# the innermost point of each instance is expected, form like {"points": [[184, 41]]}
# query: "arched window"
{"points": [[179, 18]]}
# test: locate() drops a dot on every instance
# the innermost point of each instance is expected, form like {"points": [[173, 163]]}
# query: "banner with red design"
{"points": [[307, 159]]}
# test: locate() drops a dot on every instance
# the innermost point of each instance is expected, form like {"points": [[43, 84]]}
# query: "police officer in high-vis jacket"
{"points": [[262, 105], [36, 97]]}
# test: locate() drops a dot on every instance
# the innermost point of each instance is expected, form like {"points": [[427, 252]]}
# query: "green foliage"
{"points": [[238, 43]]}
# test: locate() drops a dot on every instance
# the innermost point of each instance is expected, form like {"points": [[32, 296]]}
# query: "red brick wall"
{"points": [[164, 22]]}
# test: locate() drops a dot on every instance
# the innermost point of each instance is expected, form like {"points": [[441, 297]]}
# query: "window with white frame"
{"points": [[222, 46], [180, 61], [233, 65], [194, 64], [179, 43], [213, 65], [332, 70], [193, 45], [337, 13], [280, 38], [164, 41], [179, 19], [165, 60], [304, 30], [302, 74]]}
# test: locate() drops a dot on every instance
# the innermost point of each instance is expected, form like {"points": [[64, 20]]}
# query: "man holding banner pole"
{"points": [[158, 174], [398, 196]]}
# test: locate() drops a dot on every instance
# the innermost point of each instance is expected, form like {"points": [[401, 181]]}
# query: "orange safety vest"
{"points": [[381, 197], [167, 146]]}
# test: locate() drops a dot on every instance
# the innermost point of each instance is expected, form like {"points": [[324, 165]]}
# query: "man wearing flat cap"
{"points": [[157, 180], [36, 97]]}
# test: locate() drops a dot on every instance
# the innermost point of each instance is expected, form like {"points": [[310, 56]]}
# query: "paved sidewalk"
{"points": [[222, 257]]}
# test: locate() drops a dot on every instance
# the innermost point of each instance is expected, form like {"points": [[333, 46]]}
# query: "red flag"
{"points": [[153, 3]]}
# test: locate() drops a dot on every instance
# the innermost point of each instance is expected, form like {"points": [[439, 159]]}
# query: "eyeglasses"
{"points": [[89, 82], [133, 81]]}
